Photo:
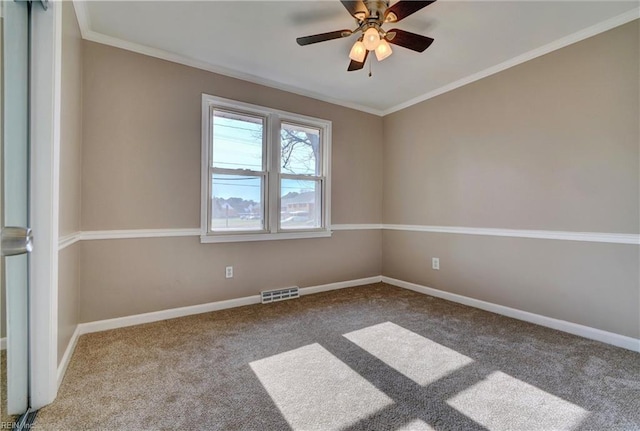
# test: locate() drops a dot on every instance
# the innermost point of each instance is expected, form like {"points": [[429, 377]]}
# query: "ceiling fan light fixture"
{"points": [[383, 50], [360, 16], [358, 51], [371, 15], [371, 38]]}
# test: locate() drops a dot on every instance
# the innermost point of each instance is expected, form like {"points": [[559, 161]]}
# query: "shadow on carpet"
{"points": [[373, 357]]}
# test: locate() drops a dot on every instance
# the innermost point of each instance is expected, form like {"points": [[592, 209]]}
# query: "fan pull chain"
{"points": [[370, 69]]}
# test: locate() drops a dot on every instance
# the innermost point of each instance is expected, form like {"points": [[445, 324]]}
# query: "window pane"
{"points": [[237, 141], [300, 204], [236, 203], [299, 150]]}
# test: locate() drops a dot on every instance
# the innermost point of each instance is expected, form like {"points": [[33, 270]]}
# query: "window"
{"points": [[265, 173]]}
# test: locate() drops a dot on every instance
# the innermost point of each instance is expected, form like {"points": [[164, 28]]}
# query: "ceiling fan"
{"points": [[370, 15]]}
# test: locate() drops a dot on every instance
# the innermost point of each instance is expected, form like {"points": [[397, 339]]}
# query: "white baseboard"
{"points": [[156, 316], [340, 285], [138, 319], [3, 344], [561, 325], [549, 322], [66, 358]]}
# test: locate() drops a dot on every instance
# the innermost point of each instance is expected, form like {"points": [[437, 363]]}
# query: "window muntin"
{"points": [[266, 173]]}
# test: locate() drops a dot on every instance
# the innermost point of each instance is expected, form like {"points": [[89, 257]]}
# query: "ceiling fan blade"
{"points": [[357, 9], [408, 40], [403, 9], [308, 40], [356, 65]]}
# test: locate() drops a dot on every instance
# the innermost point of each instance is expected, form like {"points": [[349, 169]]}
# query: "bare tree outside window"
{"points": [[300, 150]]}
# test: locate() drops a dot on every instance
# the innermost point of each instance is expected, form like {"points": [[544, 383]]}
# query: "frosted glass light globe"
{"points": [[371, 39], [383, 50], [357, 52]]}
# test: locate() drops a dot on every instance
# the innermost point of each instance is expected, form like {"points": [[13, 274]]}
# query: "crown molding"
{"points": [[601, 27], [84, 22], [93, 36], [82, 15]]}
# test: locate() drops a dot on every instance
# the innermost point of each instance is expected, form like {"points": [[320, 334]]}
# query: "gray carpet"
{"points": [[365, 358], [4, 417]]}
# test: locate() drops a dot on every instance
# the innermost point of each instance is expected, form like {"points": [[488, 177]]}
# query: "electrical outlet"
{"points": [[435, 263], [228, 272]]}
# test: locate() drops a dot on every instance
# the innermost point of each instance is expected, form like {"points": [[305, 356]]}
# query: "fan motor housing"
{"points": [[376, 9]]}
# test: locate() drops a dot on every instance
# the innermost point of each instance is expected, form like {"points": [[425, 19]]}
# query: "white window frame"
{"points": [[271, 187]]}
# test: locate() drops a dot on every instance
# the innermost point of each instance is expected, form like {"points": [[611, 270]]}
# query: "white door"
{"points": [[14, 126]]}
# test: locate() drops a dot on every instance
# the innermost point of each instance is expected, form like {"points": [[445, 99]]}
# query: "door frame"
{"points": [[45, 80]]}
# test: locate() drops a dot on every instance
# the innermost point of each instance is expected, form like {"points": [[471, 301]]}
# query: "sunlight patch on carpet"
{"points": [[418, 358], [314, 390], [416, 425], [501, 402]]}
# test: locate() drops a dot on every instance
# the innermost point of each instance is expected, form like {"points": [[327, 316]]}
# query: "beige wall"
{"points": [[71, 118], [141, 170], [70, 175], [552, 144], [132, 276], [592, 284], [141, 155]]}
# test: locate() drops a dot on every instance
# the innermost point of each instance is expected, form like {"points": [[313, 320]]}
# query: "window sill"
{"points": [[205, 239]]}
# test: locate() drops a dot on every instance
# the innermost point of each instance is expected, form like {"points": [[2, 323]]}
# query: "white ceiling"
{"points": [[255, 40]]}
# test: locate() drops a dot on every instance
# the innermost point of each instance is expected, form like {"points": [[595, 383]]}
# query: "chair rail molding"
{"points": [[602, 237], [615, 238]]}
